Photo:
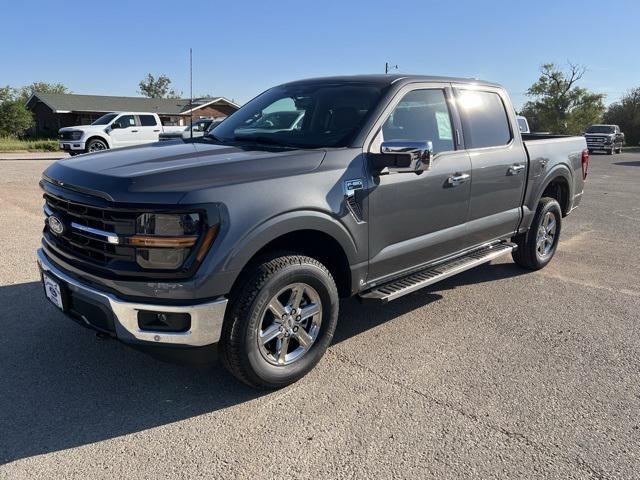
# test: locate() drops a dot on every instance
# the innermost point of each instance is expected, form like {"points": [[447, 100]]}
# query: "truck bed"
{"points": [[548, 152]]}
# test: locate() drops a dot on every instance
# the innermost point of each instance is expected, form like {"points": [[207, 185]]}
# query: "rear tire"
{"points": [[538, 245], [270, 337]]}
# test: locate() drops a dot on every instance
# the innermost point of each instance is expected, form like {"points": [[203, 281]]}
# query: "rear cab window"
{"points": [[484, 119]]}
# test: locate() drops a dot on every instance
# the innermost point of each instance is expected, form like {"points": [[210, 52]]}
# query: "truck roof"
{"points": [[388, 79]]}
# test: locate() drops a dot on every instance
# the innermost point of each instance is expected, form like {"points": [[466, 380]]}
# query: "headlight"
{"points": [[168, 224], [164, 241]]}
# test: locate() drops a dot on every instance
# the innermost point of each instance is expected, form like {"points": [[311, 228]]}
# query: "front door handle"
{"points": [[515, 169], [458, 179], [134, 131]]}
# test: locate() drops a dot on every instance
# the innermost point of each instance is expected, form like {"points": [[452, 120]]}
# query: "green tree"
{"points": [[15, 119], [626, 114], [160, 87], [41, 87], [558, 105]]}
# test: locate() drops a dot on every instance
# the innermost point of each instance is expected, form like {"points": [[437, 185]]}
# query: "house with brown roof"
{"points": [[52, 111]]}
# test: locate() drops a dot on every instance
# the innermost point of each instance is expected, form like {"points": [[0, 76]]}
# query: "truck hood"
{"points": [[164, 172], [84, 128], [599, 134]]}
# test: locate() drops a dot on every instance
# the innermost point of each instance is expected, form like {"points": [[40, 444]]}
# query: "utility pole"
{"points": [[191, 92], [388, 67]]}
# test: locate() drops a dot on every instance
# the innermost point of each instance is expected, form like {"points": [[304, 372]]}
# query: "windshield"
{"points": [[601, 129], [318, 115], [103, 120]]}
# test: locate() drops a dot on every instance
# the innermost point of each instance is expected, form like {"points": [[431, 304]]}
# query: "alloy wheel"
{"points": [[546, 236], [290, 324]]}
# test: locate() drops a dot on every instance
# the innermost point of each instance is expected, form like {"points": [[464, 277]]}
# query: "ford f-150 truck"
{"points": [[243, 241], [113, 130], [604, 137], [198, 129]]}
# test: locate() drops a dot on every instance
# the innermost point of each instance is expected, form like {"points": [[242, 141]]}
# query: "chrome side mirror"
{"points": [[403, 156]]}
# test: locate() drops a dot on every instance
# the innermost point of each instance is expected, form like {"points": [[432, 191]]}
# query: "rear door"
{"points": [[499, 162], [149, 129]]}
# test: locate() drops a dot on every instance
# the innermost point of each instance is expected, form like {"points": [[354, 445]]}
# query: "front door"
{"points": [[127, 134], [416, 219]]}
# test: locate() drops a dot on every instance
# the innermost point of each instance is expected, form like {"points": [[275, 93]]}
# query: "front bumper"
{"points": [[73, 145], [121, 317]]}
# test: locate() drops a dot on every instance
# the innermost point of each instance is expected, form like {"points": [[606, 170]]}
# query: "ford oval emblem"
{"points": [[56, 225]]}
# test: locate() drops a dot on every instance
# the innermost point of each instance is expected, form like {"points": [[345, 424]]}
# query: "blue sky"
{"points": [[243, 47]]}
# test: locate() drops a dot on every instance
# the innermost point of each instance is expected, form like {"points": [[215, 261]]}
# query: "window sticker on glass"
{"points": [[444, 126]]}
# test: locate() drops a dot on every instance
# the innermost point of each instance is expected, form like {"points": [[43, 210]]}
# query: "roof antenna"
{"points": [[388, 67], [191, 92]]}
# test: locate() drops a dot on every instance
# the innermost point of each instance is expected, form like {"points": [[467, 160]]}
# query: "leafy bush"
{"points": [[13, 144]]}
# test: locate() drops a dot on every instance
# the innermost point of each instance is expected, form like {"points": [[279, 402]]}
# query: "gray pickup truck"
{"points": [[604, 137], [242, 242]]}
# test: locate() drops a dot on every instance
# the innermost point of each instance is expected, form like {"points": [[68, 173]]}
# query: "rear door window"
{"points": [[147, 120], [484, 119]]}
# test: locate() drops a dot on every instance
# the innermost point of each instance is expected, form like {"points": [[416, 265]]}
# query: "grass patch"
{"points": [[12, 144], [631, 149]]}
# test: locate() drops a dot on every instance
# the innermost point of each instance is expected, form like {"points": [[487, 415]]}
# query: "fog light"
{"points": [[163, 321]]}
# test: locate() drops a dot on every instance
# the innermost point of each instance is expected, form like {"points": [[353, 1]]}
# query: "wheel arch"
{"points": [[97, 137], [558, 185], [310, 233]]}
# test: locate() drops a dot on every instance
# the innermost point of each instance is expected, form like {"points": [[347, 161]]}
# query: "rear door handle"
{"points": [[515, 169], [458, 179], [134, 131], [156, 130]]}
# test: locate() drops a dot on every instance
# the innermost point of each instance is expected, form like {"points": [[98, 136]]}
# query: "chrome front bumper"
{"points": [[206, 318]]}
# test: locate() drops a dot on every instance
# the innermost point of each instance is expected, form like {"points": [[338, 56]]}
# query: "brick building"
{"points": [[52, 111]]}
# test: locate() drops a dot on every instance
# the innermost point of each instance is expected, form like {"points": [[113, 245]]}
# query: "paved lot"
{"points": [[496, 373]]}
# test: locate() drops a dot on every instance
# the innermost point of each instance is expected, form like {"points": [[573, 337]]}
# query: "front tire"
{"points": [[96, 145], [538, 245], [280, 321]]}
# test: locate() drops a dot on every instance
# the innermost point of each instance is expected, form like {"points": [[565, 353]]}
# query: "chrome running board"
{"points": [[414, 281]]}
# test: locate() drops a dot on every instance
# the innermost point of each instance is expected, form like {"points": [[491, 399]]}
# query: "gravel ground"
{"points": [[495, 373]]}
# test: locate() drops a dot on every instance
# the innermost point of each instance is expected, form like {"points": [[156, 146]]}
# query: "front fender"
{"points": [[101, 136], [286, 223]]}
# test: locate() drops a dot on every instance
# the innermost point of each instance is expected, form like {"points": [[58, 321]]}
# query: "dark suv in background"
{"points": [[604, 137]]}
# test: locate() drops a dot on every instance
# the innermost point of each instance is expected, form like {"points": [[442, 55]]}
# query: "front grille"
{"points": [[85, 245], [595, 139]]}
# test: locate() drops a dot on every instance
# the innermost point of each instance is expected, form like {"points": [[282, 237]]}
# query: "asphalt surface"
{"points": [[495, 373]]}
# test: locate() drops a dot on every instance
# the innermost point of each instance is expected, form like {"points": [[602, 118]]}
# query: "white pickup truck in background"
{"points": [[114, 130]]}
